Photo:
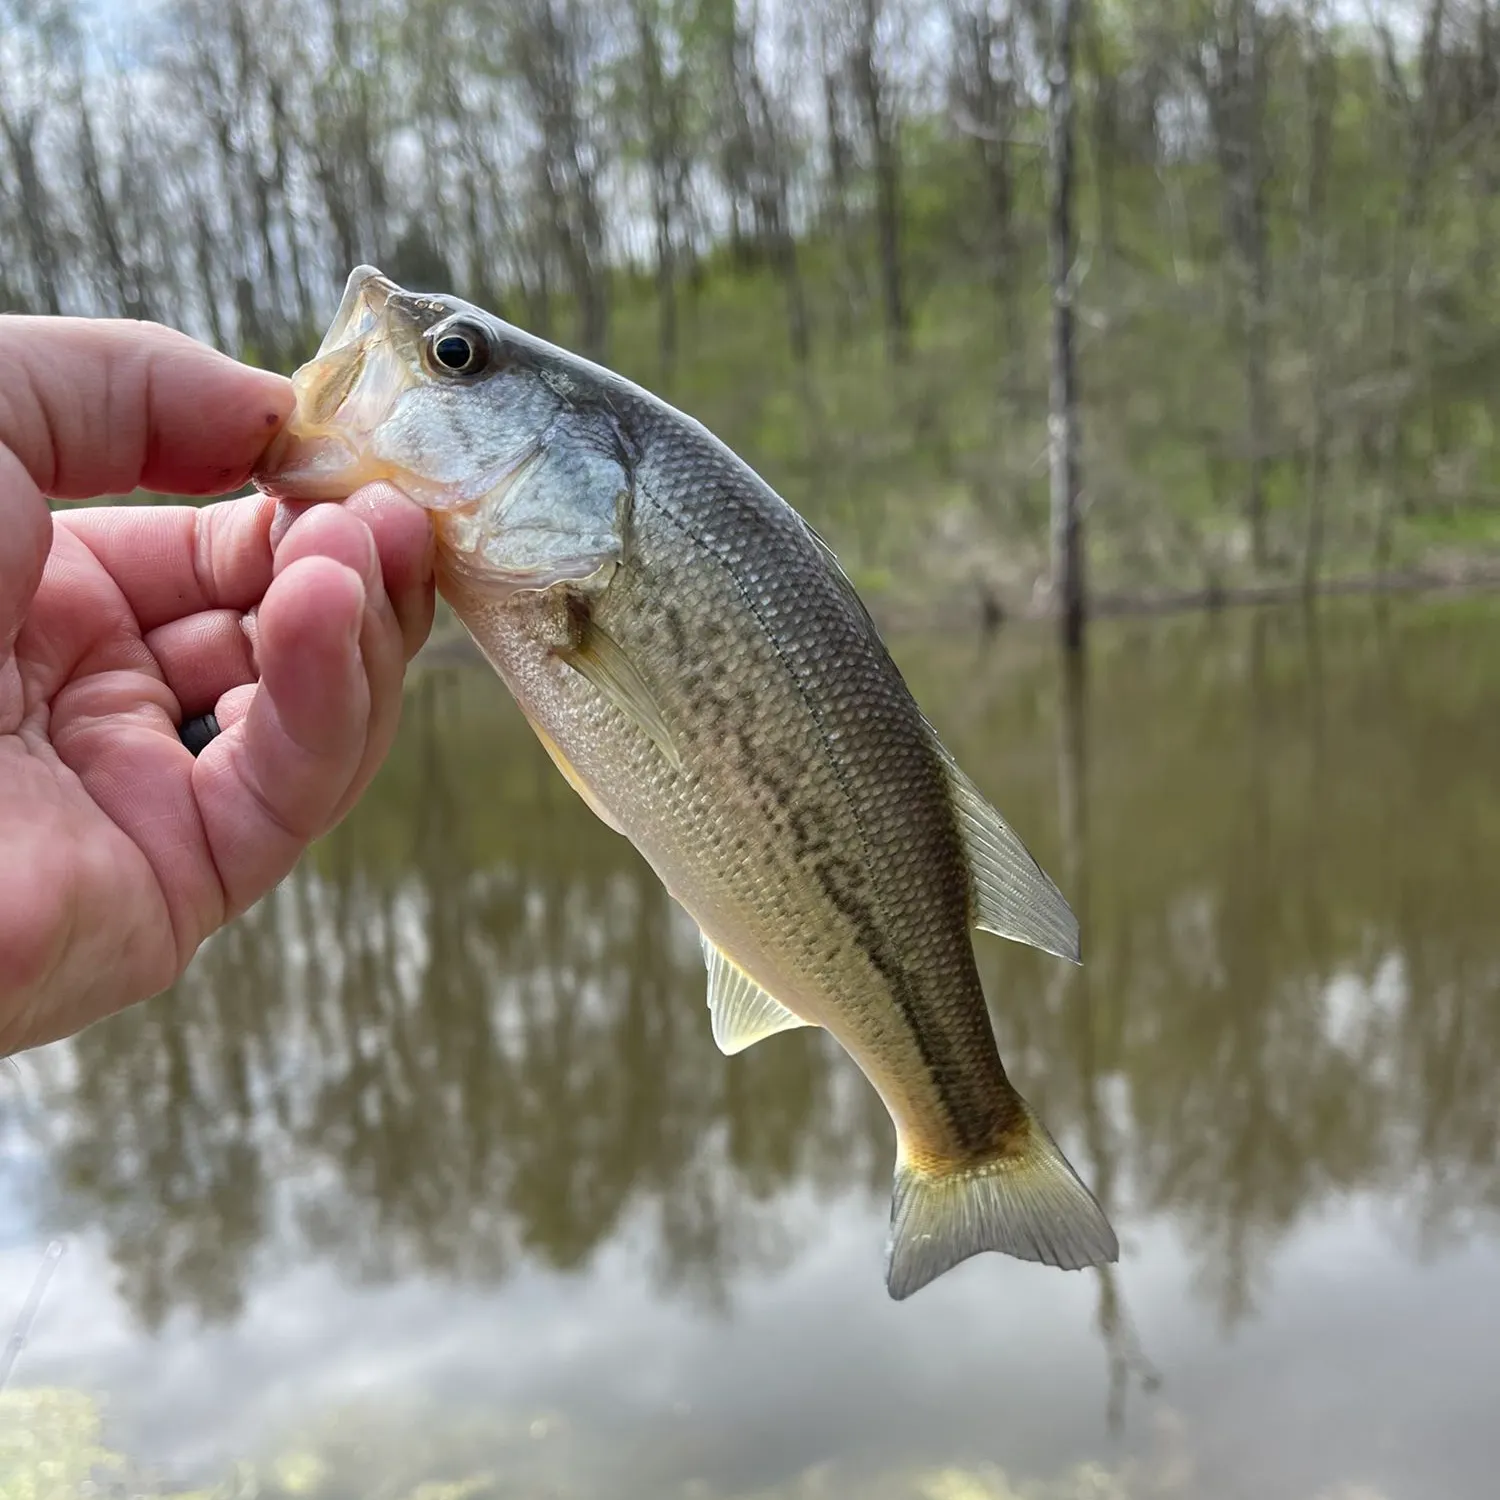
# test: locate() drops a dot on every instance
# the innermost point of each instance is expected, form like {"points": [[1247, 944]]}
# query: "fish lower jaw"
{"points": [[315, 466]]}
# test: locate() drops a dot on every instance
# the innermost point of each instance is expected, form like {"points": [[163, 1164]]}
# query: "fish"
{"points": [[704, 674]]}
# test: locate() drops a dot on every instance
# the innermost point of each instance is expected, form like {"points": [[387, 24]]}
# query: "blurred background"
{"points": [[820, 225], [427, 1181]]}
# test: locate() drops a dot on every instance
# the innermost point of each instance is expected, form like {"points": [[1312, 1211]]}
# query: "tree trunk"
{"points": [[1244, 150], [1234, 91], [988, 102], [1320, 76], [1422, 131], [880, 120], [1062, 413], [666, 291], [1257, 381], [848, 275], [103, 220], [659, 120], [20, 136], [770, 191]]}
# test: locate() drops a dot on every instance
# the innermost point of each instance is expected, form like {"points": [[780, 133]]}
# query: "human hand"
{"points": [[119, 851]]}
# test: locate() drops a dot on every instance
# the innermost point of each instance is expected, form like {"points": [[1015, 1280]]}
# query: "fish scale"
{"points": [[706, 677], [882, 810], [705, 827]]}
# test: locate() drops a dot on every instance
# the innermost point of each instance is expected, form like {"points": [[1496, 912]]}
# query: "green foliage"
{"points": [[50, 1445], [526, 154]]}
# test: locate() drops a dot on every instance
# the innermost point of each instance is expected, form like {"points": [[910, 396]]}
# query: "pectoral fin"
{"points": [[596, 655], [743, 1013], [1012, 897]]}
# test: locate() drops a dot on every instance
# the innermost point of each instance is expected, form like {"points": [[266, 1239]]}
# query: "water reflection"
{"points": [[470, 1032], [1087, 1017]]}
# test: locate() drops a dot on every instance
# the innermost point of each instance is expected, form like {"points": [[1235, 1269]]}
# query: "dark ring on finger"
{"points": [[196, 733]]}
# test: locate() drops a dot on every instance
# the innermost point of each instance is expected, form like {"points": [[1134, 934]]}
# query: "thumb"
{"points": [[25, 540]]}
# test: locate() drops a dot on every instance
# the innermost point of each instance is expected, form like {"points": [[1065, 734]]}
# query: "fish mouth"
{"points": [[366, 295], [343, 393]]}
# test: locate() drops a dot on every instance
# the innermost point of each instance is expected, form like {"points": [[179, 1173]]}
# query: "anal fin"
{"points": [[1027, 1202], [1012, 896], [743, 1013]]}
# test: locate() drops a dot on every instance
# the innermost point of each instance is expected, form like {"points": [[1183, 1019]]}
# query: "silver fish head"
{"points": [[502, 436]]}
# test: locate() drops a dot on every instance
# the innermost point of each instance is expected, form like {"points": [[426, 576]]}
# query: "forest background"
{"points": [[822, 228]]}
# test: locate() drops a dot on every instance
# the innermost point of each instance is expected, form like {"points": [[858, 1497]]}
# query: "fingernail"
{"points": [[250, 625], [369, 566], [372, 571], [357, 623]]}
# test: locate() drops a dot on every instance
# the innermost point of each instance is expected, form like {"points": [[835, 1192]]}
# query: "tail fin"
{"points": [[1027, 1202]]}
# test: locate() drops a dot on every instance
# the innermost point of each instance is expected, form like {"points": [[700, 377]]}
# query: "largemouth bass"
{"points": [[700, 669]]}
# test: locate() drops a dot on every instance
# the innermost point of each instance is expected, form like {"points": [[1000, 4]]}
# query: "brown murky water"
{"points": [[429, 1171]]}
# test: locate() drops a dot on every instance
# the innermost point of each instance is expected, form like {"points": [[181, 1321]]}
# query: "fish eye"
{"points": [[460, 349]]}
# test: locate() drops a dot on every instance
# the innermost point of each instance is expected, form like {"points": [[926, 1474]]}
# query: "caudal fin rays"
{"points": [[1028, 1203]]}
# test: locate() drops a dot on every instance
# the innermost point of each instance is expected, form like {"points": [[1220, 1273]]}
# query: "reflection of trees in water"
{"points": [[1090, 1019], [471, 1030], [1292, 970]]}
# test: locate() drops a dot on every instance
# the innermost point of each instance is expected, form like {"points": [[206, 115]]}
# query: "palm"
{"points": [[123, 851], [84, 725]]}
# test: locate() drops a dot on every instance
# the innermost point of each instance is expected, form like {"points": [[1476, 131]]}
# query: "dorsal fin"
{"points": [[1012, 896], [743, 1013]]}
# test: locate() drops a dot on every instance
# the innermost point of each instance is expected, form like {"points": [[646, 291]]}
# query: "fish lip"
{"points": [[314, 456], [366, 293], [326, 467]]}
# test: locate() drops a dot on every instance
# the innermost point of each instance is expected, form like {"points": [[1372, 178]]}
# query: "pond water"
{"points": [[429, 1171]]}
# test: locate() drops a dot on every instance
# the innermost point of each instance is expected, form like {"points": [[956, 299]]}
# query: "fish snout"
{"points": [[316, 466]]}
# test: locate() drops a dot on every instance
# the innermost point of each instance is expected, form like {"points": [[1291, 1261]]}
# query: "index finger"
{"points": [[174, 560], [101, 406]]}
